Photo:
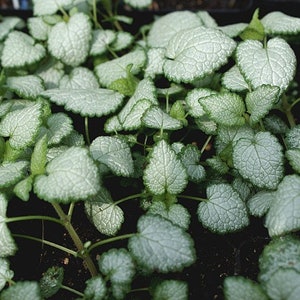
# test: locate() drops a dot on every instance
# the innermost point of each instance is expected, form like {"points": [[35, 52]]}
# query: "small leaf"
{"points": [[48, 7], [238, 287], [8, 246], [22, 290], [234, 80], [5, 273], [29, 86], [70, 176], [195, 108], [196, 52], [38, 28], [23, 188], [284, 213], [165, 173], [260, 203], [293, 157], [117, 265], [86, 102], [277, 62], [165, 27], [95, 288], [51, 281], [110, 71], [224, 211], [20, 50], [59, 126], [161, 246], [278, 23], [138, 3], [259, 159], [12, 172], [255, 29], [39, 157], [175, 213], [260, 101], [155, 117], [69, 42], [104, 214], [190, 159], [275, 124], [123, 40], [171, 290], [225, 109], [101, 40], [292, 138], [114, 153], [7, 24], [21, 126]]}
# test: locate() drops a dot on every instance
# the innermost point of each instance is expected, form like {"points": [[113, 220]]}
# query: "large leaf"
{"points": [[161, 246], [69, 42], [194, 53], [165, 172], [20, 50], [223, 211], [21, 126], [70, 176], [259, 159], [284, 213], [8, 246], [87, 102], [274, 64], [165, 27], [114, 153]]}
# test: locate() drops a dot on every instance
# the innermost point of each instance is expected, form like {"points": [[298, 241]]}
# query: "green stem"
{"points": [[205, 144], [192, 198], [29, 218], [287, 108], [72, 290], [125, 199], [77, 241], [42, 241], [111, 240], [86, 128]]}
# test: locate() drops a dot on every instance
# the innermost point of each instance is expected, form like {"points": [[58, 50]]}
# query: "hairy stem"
{"points": [[88, 262]]}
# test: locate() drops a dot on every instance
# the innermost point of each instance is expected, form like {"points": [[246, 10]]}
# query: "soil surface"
{"points": [[200, 4]]}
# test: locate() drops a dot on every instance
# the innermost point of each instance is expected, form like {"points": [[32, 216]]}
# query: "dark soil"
{"points": [[200, 4], [218, 256]]}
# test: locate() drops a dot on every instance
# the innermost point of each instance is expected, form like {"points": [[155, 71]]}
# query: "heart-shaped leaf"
{"points": [[114, 153], [70, 176], [69, 42], [259, 159], [274, 64], [171, 290], [161, 246], [194, 53], [20, 50], [101, 40], [284, 213], [223, 211], [165, 172], [86, 102]]}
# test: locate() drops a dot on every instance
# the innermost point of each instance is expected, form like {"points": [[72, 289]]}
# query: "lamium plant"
{"points": [[182, 110]]}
